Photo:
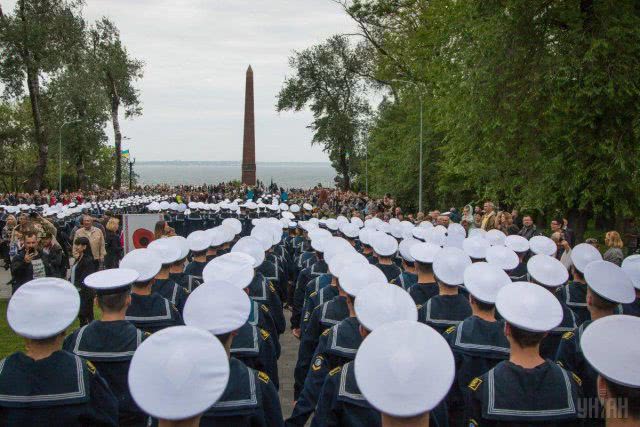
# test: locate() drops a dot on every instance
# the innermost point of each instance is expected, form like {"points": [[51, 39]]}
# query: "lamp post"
{"points": [[420, 154], [60, 152], [131, 162]]}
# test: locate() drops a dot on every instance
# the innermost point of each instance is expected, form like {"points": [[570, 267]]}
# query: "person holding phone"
{"points": [[29, 263], [83, 266]]}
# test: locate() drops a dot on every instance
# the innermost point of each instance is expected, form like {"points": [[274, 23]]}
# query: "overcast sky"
{"points": [[196, 54]]}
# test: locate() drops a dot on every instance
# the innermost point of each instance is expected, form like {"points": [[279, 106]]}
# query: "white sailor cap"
{"points": [[496, 237], [424, 252], [610, 282], [449, 265], [529, 307], [250, 246], [182, 244], [288, 215], [199, 241], [583, 254], [307, 206], [347, 259], [456, 228], [380, 303], [484, 280], [437, 235], [294, 208], [357, 222], [384, 245], [392, 358], [425, 224], [263, 236], [476, 247], [112, 280], [42, 308], [233, 267], [318, 233], [334, 246], [233, 223], [542, 245], [364, 236], [631, 266], [405, 248], [611, 345], [145, 261], [547, 271], [332, 224], [421, 232], [517, 243], [318, 244], [218, 306], [283, 206], [353, 280], [503, 257], [178, 373], [349, 230], [227, 235], [477, 232], [167, 250]]}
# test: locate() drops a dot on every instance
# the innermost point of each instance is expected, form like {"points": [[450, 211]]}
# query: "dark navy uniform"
{"points": [[195, 268], [341, 403], [574, 296], [170, 290], [180, 278], [550, 343], [255, 348], [260, 316], [391, 271], [632, 309], [152, 313], [406, 280], [510, 395], [250, 400], [110, 347], [477, 345], [422, 292], [60, 390], [443, 311], [322, 294], [323, 317], [337, 346], [520, 273], [262, 291]]}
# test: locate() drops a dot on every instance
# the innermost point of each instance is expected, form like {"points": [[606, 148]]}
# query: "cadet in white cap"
{"points": [[385, 247], [520, 246], [339, 343], [426, 286], [631, 266], [178, 374], [612, 347], [109, 343], [148, 311], [409, 276], [176, 270], [169, 252], [509, 393], [387, 365], [542, 245], [45, 385], [476, 247], [574, 293], [449, 307], [199, 242], [375, 305], [478, 342], [551, 274], [607, 287], [250, 398]]}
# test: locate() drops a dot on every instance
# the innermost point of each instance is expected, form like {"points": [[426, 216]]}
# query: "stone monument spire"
{"points": [[249, 140]]}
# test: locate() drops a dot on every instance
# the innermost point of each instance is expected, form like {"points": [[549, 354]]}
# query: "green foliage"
{"points": [[326, 80]]}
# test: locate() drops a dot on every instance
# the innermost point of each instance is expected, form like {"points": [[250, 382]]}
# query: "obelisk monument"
{"points": [[249, 140]]}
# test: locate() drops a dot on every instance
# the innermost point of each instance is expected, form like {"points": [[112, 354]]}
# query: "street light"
{"points": [[60, 152], [420, 155], [131, 162]]}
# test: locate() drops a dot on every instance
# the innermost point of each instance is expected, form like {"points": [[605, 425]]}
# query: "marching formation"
{"points": [[399, 323]]}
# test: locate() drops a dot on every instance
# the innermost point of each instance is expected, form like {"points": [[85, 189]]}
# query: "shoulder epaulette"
{"points": [[576, 379], [313, 294], [264, 334], [272, 288], [264, 308], [263, 377], [450, 329], [326, 332], [335, 370], [567, 335], [475, 383], [91, 367]]}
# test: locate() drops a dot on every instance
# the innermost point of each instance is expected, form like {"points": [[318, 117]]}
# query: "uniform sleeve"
{"points": [[473, 403], [275, 306], [567, 351], [298, 302], [306, 402], [104, 405], [326, 414], [270, 403], [305, 352], [268, 356]]}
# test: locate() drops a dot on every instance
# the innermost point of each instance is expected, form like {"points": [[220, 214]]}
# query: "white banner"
{"points": [[138, 230]]}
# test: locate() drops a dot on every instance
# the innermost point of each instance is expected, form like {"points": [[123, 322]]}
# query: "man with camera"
{"points": [[29, 263]]}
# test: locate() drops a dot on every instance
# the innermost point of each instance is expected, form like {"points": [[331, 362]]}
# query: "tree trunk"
{"points": [[117, 135], [82, 176], [578, 221], [344, 166]]}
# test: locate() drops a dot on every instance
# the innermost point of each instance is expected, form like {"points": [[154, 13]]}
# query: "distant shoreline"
{"points": [[225, 162]]}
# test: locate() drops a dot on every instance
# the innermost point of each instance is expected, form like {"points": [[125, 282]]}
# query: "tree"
{"points": [[35, 41], [325, 80], [118, 72]]}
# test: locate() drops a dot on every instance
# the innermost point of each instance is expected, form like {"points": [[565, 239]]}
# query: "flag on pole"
{"points": [[125, 154]]}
